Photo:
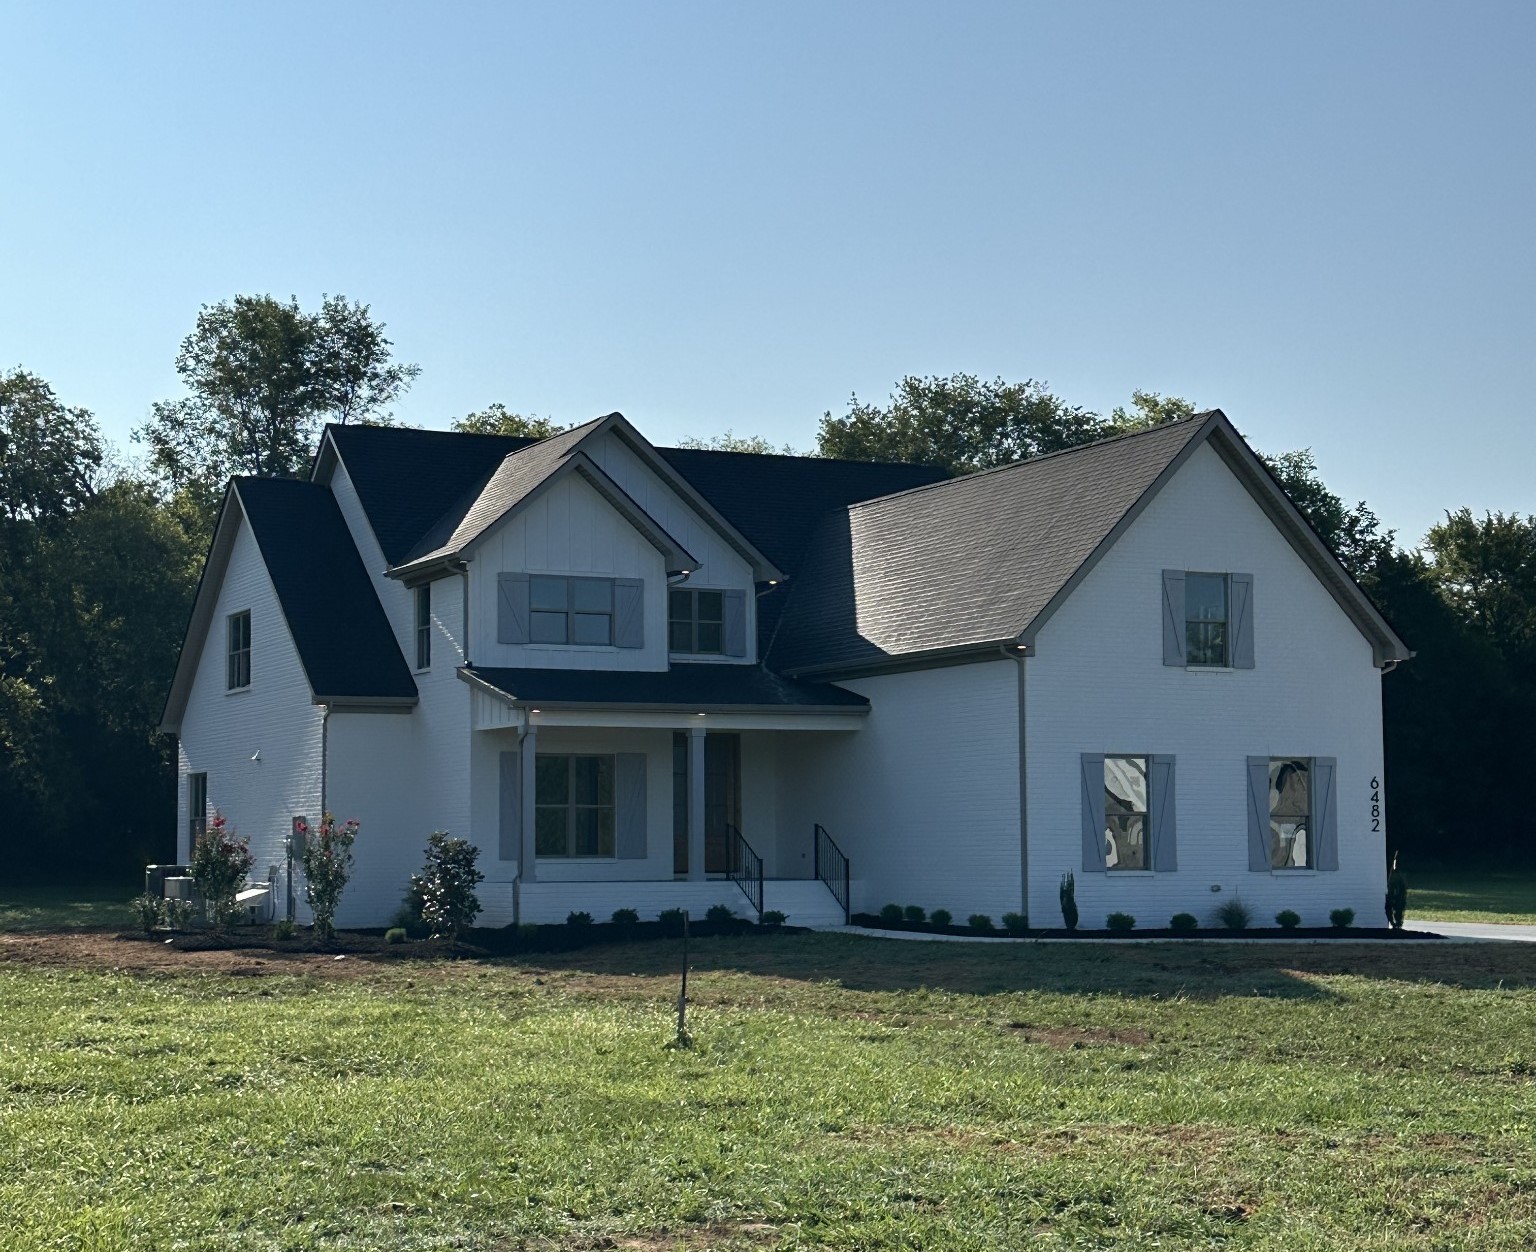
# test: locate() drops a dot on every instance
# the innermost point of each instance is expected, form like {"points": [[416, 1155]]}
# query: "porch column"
{"points": [[527, 861], [695, 803]]}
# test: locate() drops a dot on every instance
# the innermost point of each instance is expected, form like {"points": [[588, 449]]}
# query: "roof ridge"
{"points": [[801, 456], [1202, 418]]}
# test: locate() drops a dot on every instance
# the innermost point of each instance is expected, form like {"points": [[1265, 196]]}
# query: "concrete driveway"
{"points": [[1477, 930]]}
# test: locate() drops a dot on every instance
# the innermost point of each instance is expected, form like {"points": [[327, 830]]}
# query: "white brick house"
{"points": [[629, 673]]}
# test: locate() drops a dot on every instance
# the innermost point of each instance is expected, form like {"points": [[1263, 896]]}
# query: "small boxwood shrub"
{"points": [[941, 917], [980, 923], [1184, 923], [395, 934], [1287, 919], [914, 913], [772, 917], [1120, 921], [147, 910], [578, 919], [625, 917], [1342, 919], [720, 913], [891, 913], [671, 921], [1015, 923], [1234, 914]]}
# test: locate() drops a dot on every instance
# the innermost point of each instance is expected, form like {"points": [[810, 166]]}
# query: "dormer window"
{"points": [[570, 610], [1206, 614], [696, 621]]}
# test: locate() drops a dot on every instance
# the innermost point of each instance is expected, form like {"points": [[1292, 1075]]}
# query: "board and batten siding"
{"points": [[222, 731], [1098, 684], [924, 799]]}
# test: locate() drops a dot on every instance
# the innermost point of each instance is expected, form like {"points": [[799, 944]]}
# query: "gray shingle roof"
{"points": [[688, 688]]}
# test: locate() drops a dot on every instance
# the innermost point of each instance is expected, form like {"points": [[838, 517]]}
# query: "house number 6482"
{"points": [[1375, 804]]}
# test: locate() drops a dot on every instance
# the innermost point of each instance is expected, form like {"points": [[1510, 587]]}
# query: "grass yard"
{"points": [[69, 906], [1472, 896], [843, 1093]]}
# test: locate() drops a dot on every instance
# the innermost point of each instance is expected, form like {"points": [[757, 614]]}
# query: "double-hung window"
{"points": [[574, 806], [197, 806], [238, 650], [570, 610], [1125, 812], [424, 626], [1207, 612], [1290, 813], [696, 621]]}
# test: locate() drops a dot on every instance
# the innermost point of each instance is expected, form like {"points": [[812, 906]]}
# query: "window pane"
{"points": [[547, 627], [552, 779], [1205, 597], [1290, 791], [593, 595], [1125, 842], [680, 637], [1125, 784], [550, 831], [605, 828], [423, 605], [594, 779], [679, 605], [548, 593], [711, 637], [593, 628], [1207, 643], [586, 832], [1288, 844], [711, 606]]}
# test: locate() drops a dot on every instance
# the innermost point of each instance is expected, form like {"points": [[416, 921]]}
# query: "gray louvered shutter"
{"points": [[629, 612], [1163, 814], [511, 608], [1258, 814], [509, 844], [1242, 621], [1093, 812], [735, 623], [1173, 617], [1325, 810], [629, 797]]}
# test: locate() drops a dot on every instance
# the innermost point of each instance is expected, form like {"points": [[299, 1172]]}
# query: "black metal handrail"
{"points": [[744, 868], [832, 869]]}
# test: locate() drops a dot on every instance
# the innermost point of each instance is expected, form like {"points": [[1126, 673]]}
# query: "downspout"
{"points": [[1019, 653]]}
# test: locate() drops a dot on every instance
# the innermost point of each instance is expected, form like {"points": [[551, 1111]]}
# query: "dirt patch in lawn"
{"points": [[1077, 1037]]}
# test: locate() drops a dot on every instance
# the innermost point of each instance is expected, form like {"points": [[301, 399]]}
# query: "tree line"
{"points": [[101, 548]]}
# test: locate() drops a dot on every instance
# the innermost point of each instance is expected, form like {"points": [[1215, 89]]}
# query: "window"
{"points": [[238, 672], [197, 805], [424, 626], [696, 621], [1206, 616], [573, 798], [1125, 812], [1290, 813], [570, 610]]}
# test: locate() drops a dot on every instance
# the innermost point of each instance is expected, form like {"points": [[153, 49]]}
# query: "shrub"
{"points": [[148, 910], [772, 917], [446, 885], [1068, 895], [913, 913], [625, 917], [720, 913], [578, 919], [219, 865], [981, 923], [285, 929], [179, 914], [671, 921], [941, 917], [1287, 919], [1184, 923], [327, 861], [1397, 897], [892, 913], [1120, 921], [1015, 923], [1234, 914], [395, 934], [1342, 919]]}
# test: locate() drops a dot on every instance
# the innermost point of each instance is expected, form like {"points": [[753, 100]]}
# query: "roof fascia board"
{"points": [[209, 584], [611, 706], [368, 704], [326, 457], [932, 658]]}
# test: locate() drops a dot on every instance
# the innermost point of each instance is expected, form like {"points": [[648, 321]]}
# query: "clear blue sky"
{"points": [[1319, 217]]}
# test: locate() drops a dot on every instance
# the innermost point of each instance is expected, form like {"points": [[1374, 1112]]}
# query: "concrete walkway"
{"points": [[1481, 931], [1478, 930]]}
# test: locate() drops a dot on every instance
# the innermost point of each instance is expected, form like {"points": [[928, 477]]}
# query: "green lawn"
{"points": [[843, 1093], [68, 907], [1472, 896]]}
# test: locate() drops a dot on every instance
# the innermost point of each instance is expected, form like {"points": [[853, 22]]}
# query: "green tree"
{"points": [[730, 441], [1486, 571], [497, 419], [1148, 409], [1354, 534]]}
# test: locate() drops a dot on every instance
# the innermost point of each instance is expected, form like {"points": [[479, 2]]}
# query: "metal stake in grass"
{"points": [[684, 1039]]}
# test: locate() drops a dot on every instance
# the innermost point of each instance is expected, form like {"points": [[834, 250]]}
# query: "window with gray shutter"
{"points": [[736, 623], [509, 841], [1164, 814], [1093, 811], [1292, 813], [1325, 803], [629, 612], [1242, 620], [631, 804], [1173, 617]]}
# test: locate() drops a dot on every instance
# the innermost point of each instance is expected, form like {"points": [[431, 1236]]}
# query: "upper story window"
{"points": [[238, 650], [424, 626], [696, 621], [1207, 620], [1207, 608], [570, 610], [1125, 812], [1290, 813]]}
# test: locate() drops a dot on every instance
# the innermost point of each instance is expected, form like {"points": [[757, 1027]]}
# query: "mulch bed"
{"points": [[871, 921]]}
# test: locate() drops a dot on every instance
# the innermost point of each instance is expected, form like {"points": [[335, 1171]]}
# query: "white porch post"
{"points": [[527, 861], [696, 803]]}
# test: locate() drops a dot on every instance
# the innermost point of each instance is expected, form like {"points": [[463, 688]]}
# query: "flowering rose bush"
{"points": [[327, 866], [219, 865]]}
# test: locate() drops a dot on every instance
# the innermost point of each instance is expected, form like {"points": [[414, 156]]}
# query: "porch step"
{"points": [[803, 901]]}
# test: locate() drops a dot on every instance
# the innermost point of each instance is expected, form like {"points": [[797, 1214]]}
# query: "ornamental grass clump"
{"points": [[218, 866], [327, 861], [1234, 914], [446, 885], [1120, 922], [1068, 894]]}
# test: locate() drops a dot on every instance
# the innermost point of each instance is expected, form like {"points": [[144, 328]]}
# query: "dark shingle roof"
{"points": [[966, 562], [690, 688], [345, 642]]}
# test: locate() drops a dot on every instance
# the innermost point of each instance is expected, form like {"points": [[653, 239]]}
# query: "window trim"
{"points": [[570, 807], [423, 627], [571, 612], [693, 621], [1226, 622], [1146, 814], [233, 656], [1310, 866]]}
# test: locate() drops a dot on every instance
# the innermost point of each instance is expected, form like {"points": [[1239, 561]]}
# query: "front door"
{"points": [[722, 799]]}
